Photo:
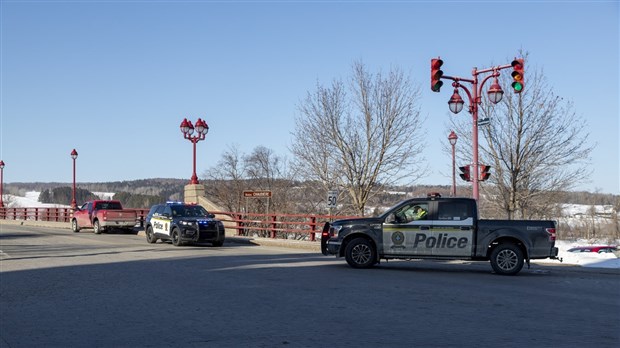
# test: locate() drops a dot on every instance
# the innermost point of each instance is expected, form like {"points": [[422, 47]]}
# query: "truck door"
{"points": [[83, 216], [405, 228], [452, 229], [162, 221]]}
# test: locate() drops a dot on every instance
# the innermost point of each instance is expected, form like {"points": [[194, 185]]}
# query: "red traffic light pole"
{"points": [[495, 94]]}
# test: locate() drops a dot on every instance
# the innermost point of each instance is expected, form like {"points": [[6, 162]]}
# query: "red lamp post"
{"points": [[455, 103], [452, 138], [1, 183], [74, 156], [201, 131]]}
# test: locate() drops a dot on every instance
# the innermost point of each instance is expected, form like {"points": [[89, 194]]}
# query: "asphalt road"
{"points": [[64, 289]]}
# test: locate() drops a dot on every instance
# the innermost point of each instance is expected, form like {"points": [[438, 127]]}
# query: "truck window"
{"points": [[412, 212], [455, 211], [114, 206]]}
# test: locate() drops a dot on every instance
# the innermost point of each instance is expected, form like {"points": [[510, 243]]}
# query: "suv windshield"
{"points": [[188, 211]]}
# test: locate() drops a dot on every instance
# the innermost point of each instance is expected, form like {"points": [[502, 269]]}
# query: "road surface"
{"points": [[64, 289]]}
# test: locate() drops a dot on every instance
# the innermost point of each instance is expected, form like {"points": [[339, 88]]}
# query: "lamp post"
{"points": [[1, 183], [452, 139], [74, 156], [455, 103], [201, 131]]}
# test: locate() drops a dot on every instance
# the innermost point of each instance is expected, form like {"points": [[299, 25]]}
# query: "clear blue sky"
{"points": [[114, 79]]}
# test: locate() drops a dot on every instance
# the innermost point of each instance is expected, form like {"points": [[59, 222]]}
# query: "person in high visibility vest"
{"points": [[420, 213]]}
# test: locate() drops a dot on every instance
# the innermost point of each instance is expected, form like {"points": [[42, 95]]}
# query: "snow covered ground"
{"points": [[603, 260]]}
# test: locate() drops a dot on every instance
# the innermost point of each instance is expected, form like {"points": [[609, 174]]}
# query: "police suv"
{"points": [[440, 228], [183, 223]]}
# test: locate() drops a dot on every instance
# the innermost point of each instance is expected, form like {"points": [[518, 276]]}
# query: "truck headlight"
{"points": [[335, 229]]}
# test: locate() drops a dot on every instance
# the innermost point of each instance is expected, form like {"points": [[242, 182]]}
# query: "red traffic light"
{"points": [[484, 172], [518, 75], [465, 173], [436, 74]]}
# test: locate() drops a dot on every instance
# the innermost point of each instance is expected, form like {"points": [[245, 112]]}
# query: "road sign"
{"points": [[332, 197], [257, 194]]}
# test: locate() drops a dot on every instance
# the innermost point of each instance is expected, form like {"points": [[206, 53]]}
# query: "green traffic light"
{"points": [[517, 86]]}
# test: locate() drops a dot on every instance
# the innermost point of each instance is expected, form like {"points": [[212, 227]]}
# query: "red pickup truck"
{"points": [[101, 215]]}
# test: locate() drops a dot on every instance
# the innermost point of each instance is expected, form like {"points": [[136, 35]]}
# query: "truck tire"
{"points": [[74, 226], [360, 253], [176, 237], [150, 236], [218, 243], [96, 227], [507, 259]]}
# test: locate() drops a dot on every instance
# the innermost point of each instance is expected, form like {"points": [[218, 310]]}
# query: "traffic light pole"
{"points": [[475, 99], [495, 96]]}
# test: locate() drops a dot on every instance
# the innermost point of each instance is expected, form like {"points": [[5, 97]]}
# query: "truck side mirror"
{"points": [[391, 219], [211, 216]]}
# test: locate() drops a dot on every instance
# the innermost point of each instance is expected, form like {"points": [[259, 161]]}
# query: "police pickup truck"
{"points": [[440, 228]]}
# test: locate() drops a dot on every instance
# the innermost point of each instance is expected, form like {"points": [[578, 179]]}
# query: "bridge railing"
{"points": [[284, 226], [50, 214]]}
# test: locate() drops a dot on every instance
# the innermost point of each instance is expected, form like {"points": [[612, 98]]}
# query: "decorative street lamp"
{"points": [[201, 131], [495, 94], [1, 183], [74, 156], [452, 138]]}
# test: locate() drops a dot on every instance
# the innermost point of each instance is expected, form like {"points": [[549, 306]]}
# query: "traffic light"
{"points": [[465, 173], [517, 75], [436, 74], [484, 172]]}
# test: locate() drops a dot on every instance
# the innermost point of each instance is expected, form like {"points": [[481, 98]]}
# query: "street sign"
{"points": [[332, 197], [257, 194]]}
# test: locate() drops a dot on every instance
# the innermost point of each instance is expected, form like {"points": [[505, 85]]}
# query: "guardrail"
{"points": [[285, 226], [51, 214]]}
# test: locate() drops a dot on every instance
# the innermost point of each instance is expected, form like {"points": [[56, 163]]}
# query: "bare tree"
{"points": [[536, 144], [236, 172], [268, 171], [361, 135], [229, 176]]}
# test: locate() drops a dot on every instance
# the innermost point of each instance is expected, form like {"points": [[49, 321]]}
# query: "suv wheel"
{"points": [[360, 253], [150, 236], [176, 237], [507, 259]]}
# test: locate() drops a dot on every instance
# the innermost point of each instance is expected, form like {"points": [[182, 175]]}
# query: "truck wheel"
{"points": [[96, 227], [176, 237], [74, 226], [507, 259], [218, 243], [360, 253], [150, 236]]}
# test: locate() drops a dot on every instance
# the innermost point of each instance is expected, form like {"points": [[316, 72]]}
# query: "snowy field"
{"points": [[603, 260]]}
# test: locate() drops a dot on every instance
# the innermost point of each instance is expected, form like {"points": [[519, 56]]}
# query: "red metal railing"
{"points": [[49, 214], [286, 226]]}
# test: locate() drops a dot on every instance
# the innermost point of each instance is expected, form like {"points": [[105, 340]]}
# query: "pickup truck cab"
{"points": [[441, 228], [103, 214]]}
